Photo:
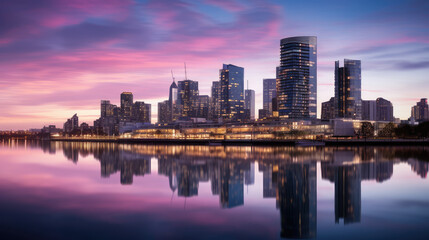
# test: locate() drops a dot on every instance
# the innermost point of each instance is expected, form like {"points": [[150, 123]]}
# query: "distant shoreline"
{"points": [[248, 142]]}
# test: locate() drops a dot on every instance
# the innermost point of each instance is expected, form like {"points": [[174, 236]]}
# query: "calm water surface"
{"points": [[63, 190]]}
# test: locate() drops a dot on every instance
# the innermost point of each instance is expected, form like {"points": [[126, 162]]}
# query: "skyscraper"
{"points": [[328, 110], [214, 112], [249, 102], [200, 107], [231, 92], [384, 110], [172, 107], [369, 110], [420, 111], [126, 106], [348, 101], [297, 78], [269, 92], [163, 112], [187, 92]]}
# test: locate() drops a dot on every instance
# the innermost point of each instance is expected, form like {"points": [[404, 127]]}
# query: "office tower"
{"points": [[139, 112], [148, 113], [231, 92], [249, 103], [384, 110], [187, 91], [328, 110], [172, 106], [126, 106], [163, 114], [200, 106], [369, 110], [263, 114], [269, 92], [297, 78], [214, 112], [297, 187], [348, 102], [106, 109], [420, 111], [71, 124]]}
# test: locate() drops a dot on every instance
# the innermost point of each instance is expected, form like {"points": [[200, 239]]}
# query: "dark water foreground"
{"points": [[78, 190]]}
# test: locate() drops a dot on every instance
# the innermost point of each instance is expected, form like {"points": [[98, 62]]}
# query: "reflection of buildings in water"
{"points": [[226, 177], [231, 183], [269, 184], [249, 175], [297, 186], [347, 171], [129, 164], [419, 167], [71, 152]]}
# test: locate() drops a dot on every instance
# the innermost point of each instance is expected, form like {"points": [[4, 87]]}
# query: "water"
{"points": [[64, 190]]}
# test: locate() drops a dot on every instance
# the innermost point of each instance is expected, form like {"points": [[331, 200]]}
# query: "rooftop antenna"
{"points": [[186, 75], [172, 76], [247, 84]]}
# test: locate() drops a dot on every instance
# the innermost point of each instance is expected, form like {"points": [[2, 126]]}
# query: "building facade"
{"points": [[214, 112], [348, 101], [231, 93], [369, 110], [328, 110], [249, 103], [296, 80], [269, 92], [187, 92], [420, 111], [126, 106], [384, 110]]}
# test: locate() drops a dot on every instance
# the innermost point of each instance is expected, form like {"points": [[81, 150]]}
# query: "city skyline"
{"points": [[66, 61]]}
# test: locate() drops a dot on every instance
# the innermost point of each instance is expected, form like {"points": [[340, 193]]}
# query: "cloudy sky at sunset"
{"points": [[60, 57]]}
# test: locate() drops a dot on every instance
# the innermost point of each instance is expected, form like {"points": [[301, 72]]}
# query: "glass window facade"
{"points": [[296, 81]]}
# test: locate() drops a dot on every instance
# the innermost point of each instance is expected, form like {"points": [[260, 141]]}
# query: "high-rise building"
{"points": [[187, 92], [148, 113], [384, 110], [269, 92], [420, 111], [348, 101], [140, 112], [214, 112], [126, 106], [106, 109], [163, 112], [328, 110], [200, 107], [297, 78], [249, 103], [173, 108], [369, 110], [71, 124], [231, 92]]}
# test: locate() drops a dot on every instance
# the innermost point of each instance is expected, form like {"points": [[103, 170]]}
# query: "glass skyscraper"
{"points": [[249, 103], [297, 78], [187, 92], [348, 101], [269, 92], [231, 92]]}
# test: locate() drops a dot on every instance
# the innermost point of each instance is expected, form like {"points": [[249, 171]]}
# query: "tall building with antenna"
{"points": [[187, 93]]}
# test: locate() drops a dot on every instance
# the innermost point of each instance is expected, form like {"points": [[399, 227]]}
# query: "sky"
{"points": [[60, 57]]}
